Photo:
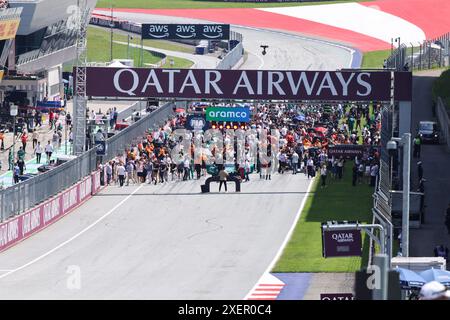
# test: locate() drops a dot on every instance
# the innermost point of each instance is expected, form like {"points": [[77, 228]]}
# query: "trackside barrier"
{"points": [[48, 212], [232, 58], [18, 198], [117, 144], [434, 53]]}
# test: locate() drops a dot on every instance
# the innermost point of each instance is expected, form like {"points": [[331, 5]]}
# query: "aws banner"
{"points": [[228, 114], [186, 31], [247, 84]]}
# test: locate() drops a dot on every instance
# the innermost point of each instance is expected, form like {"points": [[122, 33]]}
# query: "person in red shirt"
{"points": [[24, 140], [51, 119]]}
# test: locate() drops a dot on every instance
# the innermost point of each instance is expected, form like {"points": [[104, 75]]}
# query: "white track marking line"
{"points": [[285, 242], [261, 65], [72, 238]]}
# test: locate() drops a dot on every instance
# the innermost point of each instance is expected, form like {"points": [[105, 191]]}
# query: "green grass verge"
{"points": [[441, 88], [179, 63], [198, 4], [338, 201], [375, 59], [98, 46], [99, 42]]}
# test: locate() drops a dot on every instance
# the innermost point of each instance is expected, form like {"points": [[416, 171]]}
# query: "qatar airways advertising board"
{"points": [[341, 243], [247, 84]]}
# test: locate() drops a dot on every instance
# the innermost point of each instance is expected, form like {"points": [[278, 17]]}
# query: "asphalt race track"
{"points": [[161, 242], [171, 241]]}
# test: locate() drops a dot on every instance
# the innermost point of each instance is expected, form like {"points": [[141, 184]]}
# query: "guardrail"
{"points": [[117, 144], [421, 56], [22, 196], [444, 121]]}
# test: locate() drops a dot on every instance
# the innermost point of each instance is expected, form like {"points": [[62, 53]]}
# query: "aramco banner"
{"points": [[247, 84], [228, 114]]}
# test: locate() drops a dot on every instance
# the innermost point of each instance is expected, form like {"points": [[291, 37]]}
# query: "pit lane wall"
{"points": [[41, 216]]}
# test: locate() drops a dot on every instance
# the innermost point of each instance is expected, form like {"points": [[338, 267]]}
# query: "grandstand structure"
{"points": [[46, 39]]}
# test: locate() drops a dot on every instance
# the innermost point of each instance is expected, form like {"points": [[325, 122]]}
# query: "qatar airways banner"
{"points": [[342, 243], [39, 217], [246, 84]]}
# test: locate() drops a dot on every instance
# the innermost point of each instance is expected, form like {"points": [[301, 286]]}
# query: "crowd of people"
{"points": [[300, 145]]}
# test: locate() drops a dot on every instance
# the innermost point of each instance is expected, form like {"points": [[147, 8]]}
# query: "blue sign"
{"points": [[228, 114], [100, 148], [196, 122], [49, 104]]}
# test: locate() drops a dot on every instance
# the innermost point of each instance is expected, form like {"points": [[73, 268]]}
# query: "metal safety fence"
{"points": [[117, 144], [424, 55], [444, 121], [24, 195], [27, 194]]}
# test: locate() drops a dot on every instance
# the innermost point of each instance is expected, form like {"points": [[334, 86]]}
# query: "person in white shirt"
{"points": [[373, 175], [38, 152], [121, 173], [49, 151], [323, 175], [310, 167], [295, 158]]}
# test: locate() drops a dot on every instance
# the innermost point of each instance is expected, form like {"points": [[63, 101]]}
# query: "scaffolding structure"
{"points": [[80, 99]]}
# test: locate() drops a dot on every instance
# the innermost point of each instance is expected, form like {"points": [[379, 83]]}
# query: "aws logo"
{"points": [[213, 31], [186, 31], [158, 31]]}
